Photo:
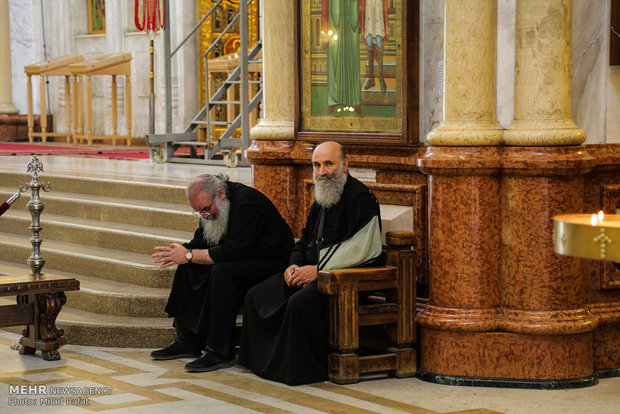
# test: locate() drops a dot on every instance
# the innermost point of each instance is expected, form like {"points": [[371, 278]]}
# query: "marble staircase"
{"points": [[102, 232]]}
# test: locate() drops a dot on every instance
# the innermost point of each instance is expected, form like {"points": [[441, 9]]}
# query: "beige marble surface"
{"points": [[470, 76], [542, 111], [278, 72], [130, 382], [140, 171]]}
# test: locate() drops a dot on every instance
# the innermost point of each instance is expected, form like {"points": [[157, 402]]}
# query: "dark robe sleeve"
{"points": [[240, 237], [197, 242], [298, 255], [359, 212]]}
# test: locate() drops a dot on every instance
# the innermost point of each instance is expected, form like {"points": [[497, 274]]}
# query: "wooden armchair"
{"points": [[387, 304]]}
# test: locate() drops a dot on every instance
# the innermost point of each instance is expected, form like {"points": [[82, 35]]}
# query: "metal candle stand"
{"points": [[35, 206]]}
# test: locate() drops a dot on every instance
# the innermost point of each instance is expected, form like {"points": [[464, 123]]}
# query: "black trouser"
{"points": [[205, 300]]}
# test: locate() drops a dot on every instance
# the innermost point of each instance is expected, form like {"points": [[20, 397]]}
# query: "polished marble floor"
{"points": [[126, 380]]}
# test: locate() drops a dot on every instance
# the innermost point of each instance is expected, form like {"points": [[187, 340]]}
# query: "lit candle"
{"points": [[593, 219], [601, 215]]}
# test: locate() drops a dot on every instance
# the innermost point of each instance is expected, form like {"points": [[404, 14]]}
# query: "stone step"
{"points": [[92, 232], [100, 223], [81, 183], [89, 328], [111, 209], [105, 296], [108, 264]]}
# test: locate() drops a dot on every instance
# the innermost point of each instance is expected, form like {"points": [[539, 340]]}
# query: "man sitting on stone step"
{"points": [[242, 239]]}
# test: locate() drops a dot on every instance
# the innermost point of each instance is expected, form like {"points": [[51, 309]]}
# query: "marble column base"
{"points": [[607, 338], [466, 133], [507, 359], [502, 304], [544, 132]]}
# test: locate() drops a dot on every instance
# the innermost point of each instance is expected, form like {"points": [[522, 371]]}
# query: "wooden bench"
{"points": [[383, 298], [39, 301]]}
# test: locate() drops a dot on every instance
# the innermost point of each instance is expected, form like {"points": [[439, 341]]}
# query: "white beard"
{"points": [[328, 189], [213, 230]]}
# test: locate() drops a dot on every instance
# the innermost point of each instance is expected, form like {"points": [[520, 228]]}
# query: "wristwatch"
{"points": [[189, 256]]}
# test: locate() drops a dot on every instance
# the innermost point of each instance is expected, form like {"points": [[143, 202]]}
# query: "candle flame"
{"points": [[593, 219], [601, 215]]}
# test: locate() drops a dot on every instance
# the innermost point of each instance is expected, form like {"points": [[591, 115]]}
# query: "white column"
{"points": [[6, 87], [278, 73], [470, 76], [542, 115]]}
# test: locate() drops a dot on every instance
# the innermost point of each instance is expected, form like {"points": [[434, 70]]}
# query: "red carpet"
{"points": [[118, 152]]}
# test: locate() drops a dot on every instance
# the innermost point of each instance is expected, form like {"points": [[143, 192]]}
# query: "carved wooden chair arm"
{"points": [[330, 282]]}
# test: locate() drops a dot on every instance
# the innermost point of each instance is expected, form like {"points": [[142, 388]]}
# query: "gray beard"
{"points": [[214, 230], [328, 189]]}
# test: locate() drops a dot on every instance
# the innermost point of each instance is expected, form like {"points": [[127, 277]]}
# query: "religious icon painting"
{"points": [[352, 73], [96, 16]]}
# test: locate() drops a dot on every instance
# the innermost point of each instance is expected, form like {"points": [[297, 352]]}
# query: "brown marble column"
{"points": [[544, 301], [464, 205], [272, 171], [503, 308], [464, 250], [543, 295]]}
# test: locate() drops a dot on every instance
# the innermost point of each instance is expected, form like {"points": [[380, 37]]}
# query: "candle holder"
{"points": [[587, 236], [35, 206]]}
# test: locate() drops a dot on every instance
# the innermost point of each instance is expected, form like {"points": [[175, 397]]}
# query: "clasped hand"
{"points": [[300, 276], [170, 255]]}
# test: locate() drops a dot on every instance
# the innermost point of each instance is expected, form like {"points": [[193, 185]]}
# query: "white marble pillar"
{"points": [[278, 73], [6, 87], [470, 76], [115, 18], [542, 112]]}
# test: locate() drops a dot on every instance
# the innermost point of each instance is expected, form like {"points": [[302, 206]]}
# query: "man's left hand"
{"points": [[170, 255], [302, 276]]}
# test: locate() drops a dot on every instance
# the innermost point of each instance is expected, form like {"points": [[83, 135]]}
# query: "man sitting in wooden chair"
{"points": [[285, 324]]}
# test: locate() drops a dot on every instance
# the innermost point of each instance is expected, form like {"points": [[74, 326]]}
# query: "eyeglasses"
{"points": [[204, 213]]}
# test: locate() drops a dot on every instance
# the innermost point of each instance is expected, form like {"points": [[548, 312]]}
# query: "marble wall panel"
{"points": [[613, 105], [431, 49], [589, 67]]}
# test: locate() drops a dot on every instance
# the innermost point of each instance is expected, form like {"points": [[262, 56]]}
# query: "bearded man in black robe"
{"points": [[285, 323], [242, 240]]}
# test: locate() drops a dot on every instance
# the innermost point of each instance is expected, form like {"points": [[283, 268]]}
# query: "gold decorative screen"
{"points": [[214, 26]]}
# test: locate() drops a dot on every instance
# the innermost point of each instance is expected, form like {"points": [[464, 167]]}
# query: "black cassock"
{"points": [[205, 299], [285, 328]]}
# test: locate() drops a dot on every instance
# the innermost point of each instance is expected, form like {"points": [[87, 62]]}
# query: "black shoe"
{"points": [[173, 351], [210, 361]]}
